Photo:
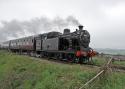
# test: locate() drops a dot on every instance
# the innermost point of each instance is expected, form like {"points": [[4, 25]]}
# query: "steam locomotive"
{"points": [[68, 46]]}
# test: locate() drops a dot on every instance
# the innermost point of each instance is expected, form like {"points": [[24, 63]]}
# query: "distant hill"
{"points": [[111, 51]]}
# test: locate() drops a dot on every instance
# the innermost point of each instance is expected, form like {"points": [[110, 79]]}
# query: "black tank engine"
{"points": [[68, 46]]}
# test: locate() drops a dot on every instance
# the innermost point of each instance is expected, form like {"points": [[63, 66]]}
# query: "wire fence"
{"points": [[99, 76]]}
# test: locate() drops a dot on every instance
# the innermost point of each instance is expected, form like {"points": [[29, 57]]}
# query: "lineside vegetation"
{"points": [[23, 72]]}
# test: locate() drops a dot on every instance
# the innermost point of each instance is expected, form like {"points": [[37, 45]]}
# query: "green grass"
{"points": [[112, 80], [115, 80], [23, 72], [99, 60], [102, 60], [122, 63]]}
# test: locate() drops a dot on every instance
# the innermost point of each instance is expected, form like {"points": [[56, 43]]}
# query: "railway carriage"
{"points": [[22, 44]]}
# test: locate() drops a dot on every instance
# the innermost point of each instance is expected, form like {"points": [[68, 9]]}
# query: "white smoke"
{"points": [[16, 29]]}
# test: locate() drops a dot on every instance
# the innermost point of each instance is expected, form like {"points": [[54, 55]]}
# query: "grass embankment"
{"points": [[22, 72]]}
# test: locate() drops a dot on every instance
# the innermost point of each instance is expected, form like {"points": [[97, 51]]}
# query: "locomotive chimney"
{"points": [[80, 27]]}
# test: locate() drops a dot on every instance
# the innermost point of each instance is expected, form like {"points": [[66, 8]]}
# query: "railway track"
{"points": [[110, 59], [65, 62]]}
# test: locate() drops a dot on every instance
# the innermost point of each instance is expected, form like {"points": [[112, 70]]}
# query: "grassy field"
{"points": [[23, 72], [112, 80], [99, 61], [115, 80]]}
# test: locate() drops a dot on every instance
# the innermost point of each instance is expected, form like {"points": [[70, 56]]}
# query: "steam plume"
{"points": [[16, 29]]}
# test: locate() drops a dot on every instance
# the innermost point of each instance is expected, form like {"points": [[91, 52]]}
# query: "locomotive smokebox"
{"points": [[66, 31], [80, 27]]}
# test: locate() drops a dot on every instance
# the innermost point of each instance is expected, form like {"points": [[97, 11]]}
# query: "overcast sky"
{"points": [[104, 19]]}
